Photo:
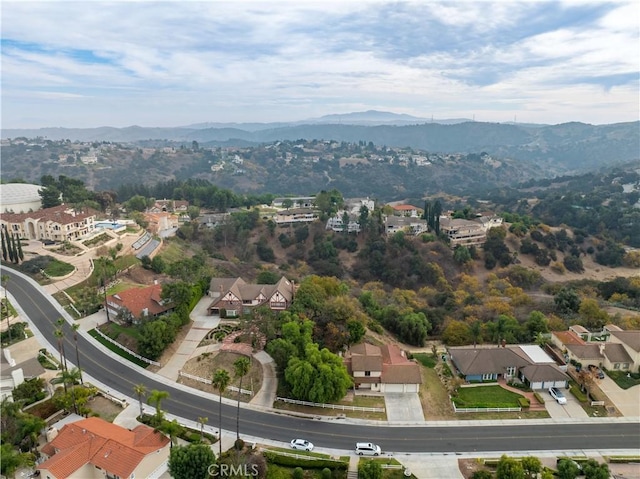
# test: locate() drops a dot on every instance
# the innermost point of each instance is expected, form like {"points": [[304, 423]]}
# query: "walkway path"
{"points": [[201, 324], [534, 404], [266, 396]]}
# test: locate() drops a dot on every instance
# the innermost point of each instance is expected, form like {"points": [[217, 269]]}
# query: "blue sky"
{"points": [[88, 64]]}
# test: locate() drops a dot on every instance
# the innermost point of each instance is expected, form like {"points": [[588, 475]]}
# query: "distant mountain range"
{"points": [[569, 147]]}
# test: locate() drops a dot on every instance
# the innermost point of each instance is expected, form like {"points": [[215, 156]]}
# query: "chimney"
{"points": [[601, 348]]}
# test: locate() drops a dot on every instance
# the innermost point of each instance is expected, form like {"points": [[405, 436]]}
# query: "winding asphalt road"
{"points": [[190, 404]]}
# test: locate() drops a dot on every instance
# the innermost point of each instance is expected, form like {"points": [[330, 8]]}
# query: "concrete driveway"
{"points": [[403, 407], [572, 409], [627, 401]]}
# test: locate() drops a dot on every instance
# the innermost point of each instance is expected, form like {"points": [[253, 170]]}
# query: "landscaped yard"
{"points": [[486, 397], [624, 381], [349, 400]]}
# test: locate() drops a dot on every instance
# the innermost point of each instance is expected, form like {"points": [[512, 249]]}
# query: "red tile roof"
{"points": [[568, 337], [405, 207], [100, 443], [137, 299], [62, 214]]}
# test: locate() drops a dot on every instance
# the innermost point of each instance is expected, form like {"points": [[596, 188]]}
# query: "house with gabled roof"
{"points": [[235, 297], [59, 223], [135, 304], [527, 363], [613, 348], [94, 448], [382, 369]]}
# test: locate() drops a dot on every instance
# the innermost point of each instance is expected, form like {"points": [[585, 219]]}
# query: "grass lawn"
{"points": [[58, 268], [427, 360], [350, 400], [486, 396], [173, 250], [300, 452], [621, 379], [113, 330]]}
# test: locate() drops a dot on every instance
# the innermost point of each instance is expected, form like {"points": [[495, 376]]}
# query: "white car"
{"points": [[557, 395], [367, 449], [301, 444]]}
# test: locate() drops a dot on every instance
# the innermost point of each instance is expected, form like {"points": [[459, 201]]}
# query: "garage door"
{"points": [[394, 388]]}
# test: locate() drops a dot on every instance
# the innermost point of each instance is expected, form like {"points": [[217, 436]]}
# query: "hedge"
{"points": [[289, 461], [524, 402]]}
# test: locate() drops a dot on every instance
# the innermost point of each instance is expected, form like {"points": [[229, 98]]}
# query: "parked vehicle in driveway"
{"points": [[368, 449], [301, 444], [557, 395]]}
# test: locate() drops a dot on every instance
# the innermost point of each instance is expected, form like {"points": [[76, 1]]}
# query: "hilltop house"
{"points": [[60, 223], [382, 368], [94, 449], [468, 232], [527, 363], [410, 225], [234, 297]]}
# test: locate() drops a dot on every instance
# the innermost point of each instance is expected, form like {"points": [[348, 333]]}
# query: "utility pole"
{"points": [[104, 287]]}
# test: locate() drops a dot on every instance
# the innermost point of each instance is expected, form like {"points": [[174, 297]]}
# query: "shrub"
{"points": [[326, 473], [288, 461], [524, 402], [538, 397], [298, 473]]}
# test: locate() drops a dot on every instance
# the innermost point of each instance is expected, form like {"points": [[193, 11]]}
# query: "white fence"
{"points": [[301, 456], [135, 355], [597, 403], [331, 406], [208, 381], [485, 409]]}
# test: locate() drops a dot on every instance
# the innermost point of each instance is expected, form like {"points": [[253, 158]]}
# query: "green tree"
{"points": [[509, 468], [50, 196], [152, 339], [593, 470], [567, 300], [369, 470], [220, 381], [140, 390], [191, 462], [75, 327], [171, 429], [202, 421], [156, 397], [568, 469], [241, 367], [532, 466], [536, 323], [462, 255], [137, 203], [12, 459]]}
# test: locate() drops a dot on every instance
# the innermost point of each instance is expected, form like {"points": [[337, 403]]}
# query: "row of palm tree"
{"points": [[220, 381], [68, 377]]}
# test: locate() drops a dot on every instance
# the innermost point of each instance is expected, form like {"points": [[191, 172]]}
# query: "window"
{"points": [[487, 377], [625, 366], [616, 366], [511, 370], [367, 373]]}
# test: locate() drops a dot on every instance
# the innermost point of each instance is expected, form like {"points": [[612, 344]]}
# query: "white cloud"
{"points": [[190, 61]]}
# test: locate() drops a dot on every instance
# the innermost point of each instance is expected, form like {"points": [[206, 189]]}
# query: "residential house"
{"points": [[159, 222], [468, 232], [135, 304], [12, 374], [382, 369], [336, 223], [94, 449], [59, 223], [406, 210], [353, 205], [526, 363], [236, 297], [409, 225], [169, 206], [296, 201], [613, 348], [295, 216]]}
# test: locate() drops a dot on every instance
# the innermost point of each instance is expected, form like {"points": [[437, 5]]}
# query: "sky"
{"points": [[122, 63]]}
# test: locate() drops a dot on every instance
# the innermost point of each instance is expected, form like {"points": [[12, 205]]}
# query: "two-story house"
{"points": [[236, 297], [60, 223]]}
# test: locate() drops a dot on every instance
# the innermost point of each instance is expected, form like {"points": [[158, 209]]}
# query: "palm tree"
{"points": [[220, 381], [202, 421], [75, 327], [156, 398], [140, 390], [171, 429], [241, 366], [59, 336], [70, 377], [60, 322]]}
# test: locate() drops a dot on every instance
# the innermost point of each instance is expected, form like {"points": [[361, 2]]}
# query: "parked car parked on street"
{"points": [[367, 449]]}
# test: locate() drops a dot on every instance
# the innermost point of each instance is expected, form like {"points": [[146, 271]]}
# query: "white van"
{"points": [[367, 449]]}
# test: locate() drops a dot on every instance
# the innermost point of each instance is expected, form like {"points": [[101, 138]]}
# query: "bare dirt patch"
{"points": [[469, 466], [106, 409], [205, 365]]}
